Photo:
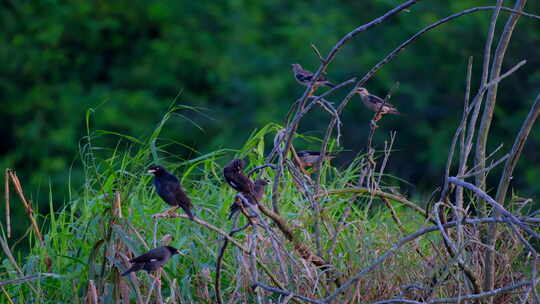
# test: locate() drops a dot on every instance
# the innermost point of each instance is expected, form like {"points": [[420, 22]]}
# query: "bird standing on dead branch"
{"points": [[169, 189], [375, 103], [234, 176], [309, 158], [152, 260], [238, 202], [304, 77]]}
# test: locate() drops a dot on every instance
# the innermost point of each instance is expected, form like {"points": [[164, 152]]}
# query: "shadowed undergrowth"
{"points": [[337, 235], [89, 240]]}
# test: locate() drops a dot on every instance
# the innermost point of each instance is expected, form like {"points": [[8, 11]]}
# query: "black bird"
{"points": [[304, 77], [309, 158], [234, 175], [152, 260], [259, 191], [169, 189]]}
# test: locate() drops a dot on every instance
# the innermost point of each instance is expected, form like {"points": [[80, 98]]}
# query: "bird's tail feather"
{"points": [[187, 210], [131, 269]]}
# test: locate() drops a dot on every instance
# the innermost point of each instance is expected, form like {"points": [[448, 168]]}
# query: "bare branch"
{"points": [[498, 207], [396, 247], [217, 284], [515, 153], [287, 293], [491, 97], [291, 129], [32, 277], [380, 193], [486, 294], [258, 168]]}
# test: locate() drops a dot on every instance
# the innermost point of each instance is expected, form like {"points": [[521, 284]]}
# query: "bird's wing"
{"points": [[322, 78], [228, 173], [156, 254], [308, 152], [375, 99], [170, 192], [248, 182], [179, 194], [259, 191], [304, 77]]}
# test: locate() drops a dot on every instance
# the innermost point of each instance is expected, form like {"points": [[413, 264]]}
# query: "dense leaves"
{"points": [[128, 60]]}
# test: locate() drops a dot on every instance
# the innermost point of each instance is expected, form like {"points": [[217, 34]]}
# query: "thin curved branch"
{"points": [[286, 293], [291, 129], [396, 247], [221, 253], [485, 294], [491, 97], [258, 168], [454, 252], [211, 227], [498, 207], [32, 277], [516, 150], [396, 52], [406, 301], [402, 46], [361, 190]]}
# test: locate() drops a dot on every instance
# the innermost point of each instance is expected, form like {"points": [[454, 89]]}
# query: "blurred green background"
{"points": [[128, 61]]}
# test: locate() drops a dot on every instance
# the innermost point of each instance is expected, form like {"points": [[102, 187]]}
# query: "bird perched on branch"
{"points": [[238, 202], [152, 260], [169, 189], [234, 176], [309, 158], [304, 77], [375, 103]]}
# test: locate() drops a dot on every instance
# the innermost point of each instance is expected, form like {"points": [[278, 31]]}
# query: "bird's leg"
{"points": [[378, 116], [167, 213], [158, 277], [312, 91], [252, 218], [300, 164]]}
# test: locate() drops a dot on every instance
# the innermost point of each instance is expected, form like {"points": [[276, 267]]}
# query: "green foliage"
{"points": [[86, 242], [127, 60]]}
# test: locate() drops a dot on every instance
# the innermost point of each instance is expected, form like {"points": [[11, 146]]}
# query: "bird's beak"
{"points": [[151, 171]]}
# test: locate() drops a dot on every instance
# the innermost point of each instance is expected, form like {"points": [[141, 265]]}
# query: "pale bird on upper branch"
{"points": [[304, 77], [310, 158], [375, 103]]}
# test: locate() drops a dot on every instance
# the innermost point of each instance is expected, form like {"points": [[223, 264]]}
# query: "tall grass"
{"points": [[89, 242]]}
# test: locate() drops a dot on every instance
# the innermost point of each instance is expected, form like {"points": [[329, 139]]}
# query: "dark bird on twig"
{"points": [[238, 202], [304, 77], [234, 175], [169, 189], [152, 260], [375, 103], [309, 158]]}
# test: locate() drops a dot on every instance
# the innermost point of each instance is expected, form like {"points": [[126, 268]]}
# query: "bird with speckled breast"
{"points": [[375, 103], [304, 77]]}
